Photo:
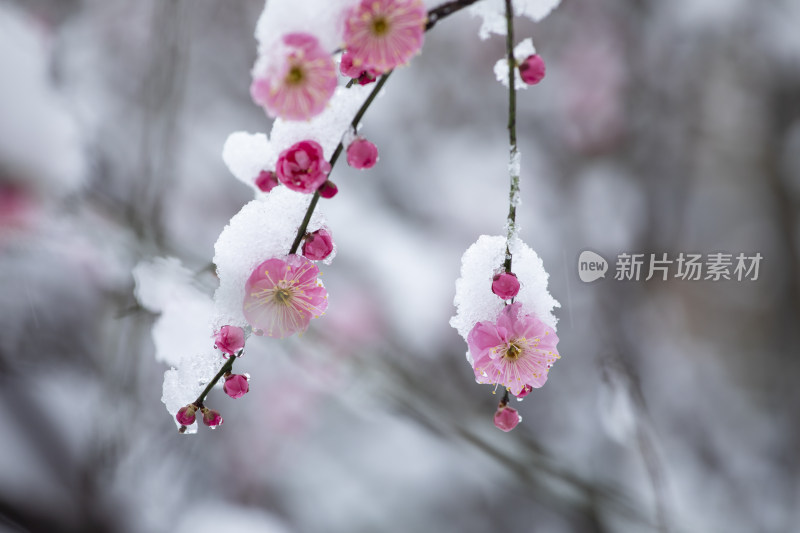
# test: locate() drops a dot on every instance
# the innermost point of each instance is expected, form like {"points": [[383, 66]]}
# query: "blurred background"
{"points": [[660, 127]]}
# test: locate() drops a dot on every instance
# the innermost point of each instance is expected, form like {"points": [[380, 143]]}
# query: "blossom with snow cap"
{"points": [[515, 351], [283, 295], [298, 82], [384, 34]]}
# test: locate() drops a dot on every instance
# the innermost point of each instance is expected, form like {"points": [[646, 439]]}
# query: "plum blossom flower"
{"points": [[516, 351], [505, 285], [236, 385], [328, 189], [299, 82], [362, 154], [211, 418], [266, 181], [383, 34], [353, 68], [186, 415], [318, 245], [283, 295], [532, 69], [506, 418], [302, 167], [229, 339]]}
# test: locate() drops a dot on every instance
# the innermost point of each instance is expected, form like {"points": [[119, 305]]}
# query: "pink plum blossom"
{"points": [[318, 245], [266, 181], [506, 418], [302, 167], [236, 385], [229, 339], [299, 82], [353, 68], [211, 418], [362, 154], [283, 295], [186, 415], [328, 189], [532, 69], [383, 34], [516, 351], [505, 285]]}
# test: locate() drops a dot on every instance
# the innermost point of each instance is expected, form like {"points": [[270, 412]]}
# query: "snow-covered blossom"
{"points": [[328, 189], [505, 285], [236, 385], [229, 339], [211, 418], [384, 34], [514, 351], [302, 167], [187, 415], [506, 418], [362, 154], [532, 69], [318, 245], [266, 181], [283, 295], [295, 80]]}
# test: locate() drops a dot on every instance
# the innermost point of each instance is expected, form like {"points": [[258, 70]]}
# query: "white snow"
{"points": [[264, 228], [324, 20], [247, 154], [164, 286], [475, 301], [39, 139], [493, 13], [522, 51]]}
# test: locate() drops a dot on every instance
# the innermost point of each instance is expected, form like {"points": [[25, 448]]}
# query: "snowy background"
{"points": [[660, 127]]}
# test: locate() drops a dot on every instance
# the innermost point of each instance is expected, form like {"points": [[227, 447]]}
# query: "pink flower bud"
{"points": [[186, 415], [318, 245], [349, 68], [302, 167], [211, 418], [266, 181], [236, 386], [532, 69], [505, 285], [328, 189], [362, 154], [229, 339], [525, 391], [506, 418]]}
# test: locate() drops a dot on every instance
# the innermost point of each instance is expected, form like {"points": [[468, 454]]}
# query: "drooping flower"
{"points": [[505, 285], [266, 181], [506, 418], [516, 351], [384, 34], [229, 339], [362, 154], [236, 385], [302, 167], [532, 69], [211, 418], [283, 295], [186, 415], [298, 82], [318, 245]]}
